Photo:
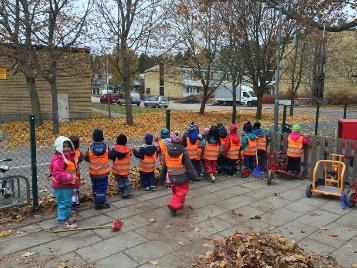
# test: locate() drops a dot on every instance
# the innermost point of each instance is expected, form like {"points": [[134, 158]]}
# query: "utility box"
{"points": [[347, 129]]}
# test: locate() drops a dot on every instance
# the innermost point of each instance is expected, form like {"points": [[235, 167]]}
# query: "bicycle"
{"points": [[6, 187]]}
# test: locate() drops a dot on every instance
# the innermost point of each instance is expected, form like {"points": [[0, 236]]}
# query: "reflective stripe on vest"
{"points": [[295, 147], [148, 163], [121, 167], [192, 149], [261, 143], [251, 148], [163, 149], [174, 165], [199, 153], [98, 164], [233, 152], [211, 151]]}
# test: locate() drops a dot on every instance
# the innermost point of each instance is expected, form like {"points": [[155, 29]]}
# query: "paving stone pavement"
{"points": [[150, 237]]}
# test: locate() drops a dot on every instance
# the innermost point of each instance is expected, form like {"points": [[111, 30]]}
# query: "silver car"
{"points": [[157, 101]]}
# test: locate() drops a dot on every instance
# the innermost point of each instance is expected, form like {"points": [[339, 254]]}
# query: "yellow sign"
{"points": [[3, 73]]}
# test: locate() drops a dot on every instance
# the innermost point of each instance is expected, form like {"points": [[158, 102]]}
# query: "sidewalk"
{"points": [[150, 237]]}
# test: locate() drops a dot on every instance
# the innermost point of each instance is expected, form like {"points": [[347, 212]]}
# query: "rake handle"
{"points": [[83, 228]]}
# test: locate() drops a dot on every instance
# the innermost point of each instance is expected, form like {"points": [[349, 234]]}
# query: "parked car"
{"points": [[113, 97], [135, 98], [157, 101]]}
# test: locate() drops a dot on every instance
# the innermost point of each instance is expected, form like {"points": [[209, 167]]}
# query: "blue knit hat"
{"points": [[164, 133], [148, 138]]}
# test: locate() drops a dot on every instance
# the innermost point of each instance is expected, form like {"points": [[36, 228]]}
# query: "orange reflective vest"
{"points": [[233, 152], [163, 149], [71, 168], [174, 165], [223, 141], [98, 164], [295, 148], [211, 151], [251, 148], [199, 153], [148, 163], [192, 149], [261, 143], [121, 167]]}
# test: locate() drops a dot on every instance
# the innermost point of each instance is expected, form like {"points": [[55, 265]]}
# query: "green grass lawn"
{"points": [[120, 109]]}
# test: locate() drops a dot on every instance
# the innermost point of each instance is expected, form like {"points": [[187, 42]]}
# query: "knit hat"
{"points": [[233, 128], [176, 137], [98, 135], [256, 125], [164, 133], [148, 138], [247, 127], [192, 127], [297, 128], [58, 144], [222, 131], [122, 140]]}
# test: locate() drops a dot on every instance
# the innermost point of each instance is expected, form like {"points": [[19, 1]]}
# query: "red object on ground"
{"points": [[179, 192], [116, 226], [347, 130]]}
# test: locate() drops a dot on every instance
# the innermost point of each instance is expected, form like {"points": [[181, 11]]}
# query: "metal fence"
{"points": [[31, 147]]}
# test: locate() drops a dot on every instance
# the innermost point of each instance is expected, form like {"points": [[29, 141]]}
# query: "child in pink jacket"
{"points": [[64, 171], [296, 143]]}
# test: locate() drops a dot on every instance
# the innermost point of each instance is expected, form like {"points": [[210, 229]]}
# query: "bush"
{"points": [[189, 99], [339, 97]]}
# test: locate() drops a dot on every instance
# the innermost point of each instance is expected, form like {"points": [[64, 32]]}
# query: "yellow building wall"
{"points": [[173, 84], [341, 59]]}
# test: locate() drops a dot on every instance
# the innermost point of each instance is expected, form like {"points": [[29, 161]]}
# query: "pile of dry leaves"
{"points": [[257, 250]]}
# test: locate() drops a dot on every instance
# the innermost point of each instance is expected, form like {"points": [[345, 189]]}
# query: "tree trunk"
{"points": [[258, 114], [126, 78], [204, 100], [53, 82], [292, 99], [34, 99]]}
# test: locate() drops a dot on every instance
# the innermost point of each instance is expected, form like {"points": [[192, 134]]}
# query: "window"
{"points": [[164, 99], [245, 94], [252, 93], [153, 98]]}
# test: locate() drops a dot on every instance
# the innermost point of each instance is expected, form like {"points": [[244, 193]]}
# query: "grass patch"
{"points": [[120, 109]]}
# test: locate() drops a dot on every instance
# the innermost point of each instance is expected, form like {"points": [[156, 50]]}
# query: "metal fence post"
{"points": [[168, 118], [317, 116], [284, 117], [33, 162], [345, 110]]}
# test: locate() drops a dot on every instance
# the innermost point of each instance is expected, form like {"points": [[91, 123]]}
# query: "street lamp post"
{"points": [[277, 71]]}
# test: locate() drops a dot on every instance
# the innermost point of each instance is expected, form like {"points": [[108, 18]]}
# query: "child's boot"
{"points": [[212, 178], [100, 206], [173, 211]]}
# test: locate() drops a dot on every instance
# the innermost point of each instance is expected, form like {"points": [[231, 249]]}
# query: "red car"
{"points": [[110, 97]]}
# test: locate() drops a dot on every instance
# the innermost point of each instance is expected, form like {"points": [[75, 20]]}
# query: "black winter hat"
{"points": [[247, 127], [256, 125], [98, 135], [122, 140], [222, 131]]}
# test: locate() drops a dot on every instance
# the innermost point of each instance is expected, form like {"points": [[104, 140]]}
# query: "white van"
{"points": [[245, 95]]}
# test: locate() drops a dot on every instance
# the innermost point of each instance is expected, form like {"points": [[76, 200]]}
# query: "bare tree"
{"points": [[17, 21], [130, 26], [61, 27], [195, 27]]}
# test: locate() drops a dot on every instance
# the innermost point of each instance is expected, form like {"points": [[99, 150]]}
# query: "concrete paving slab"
{"points": [[316, 247], [204, 200], [236, 202], [117, 260], [151, 250], [234, 191], [318, 218], [280, 216], [305, 204], [110, 246], [296, 230], [164, 262], [255, 185], [346, 255], [207, 212], [240, 215], [269, 203], [334, 206]]}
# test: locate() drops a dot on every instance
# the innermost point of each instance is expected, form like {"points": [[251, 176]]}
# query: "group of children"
{"points": [[182, 156]]}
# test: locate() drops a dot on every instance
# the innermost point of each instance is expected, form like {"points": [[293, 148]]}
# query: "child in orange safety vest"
{"points": [[120, 155], [180, 171], [231, 150], [191, 142], [97, 157], [147, 155], [79, 158], [162, 144], [210, 146], [249, 146], [223, 136], [296, 142], [263, 139]]}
